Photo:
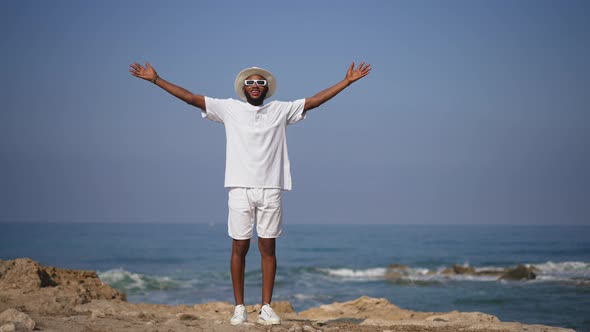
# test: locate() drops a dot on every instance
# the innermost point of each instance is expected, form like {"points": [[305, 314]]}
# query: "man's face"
{"points": [[255, 94]]}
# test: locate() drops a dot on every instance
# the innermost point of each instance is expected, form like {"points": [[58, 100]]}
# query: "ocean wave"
{"points": [[564, 269], [570, 272], [575, 272], [381, 273], [133, 283], [361, 275]]}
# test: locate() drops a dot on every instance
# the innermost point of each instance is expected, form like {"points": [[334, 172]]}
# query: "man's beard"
{"points": [[258, 101]]}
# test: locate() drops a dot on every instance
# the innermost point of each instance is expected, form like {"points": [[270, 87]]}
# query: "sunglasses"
{"points": [[257, 82]]}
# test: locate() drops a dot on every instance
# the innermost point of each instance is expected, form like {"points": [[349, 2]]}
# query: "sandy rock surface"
{"points": [[52, 299]]}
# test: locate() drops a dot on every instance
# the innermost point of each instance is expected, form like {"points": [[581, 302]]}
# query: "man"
{"points": [[257, 164]]}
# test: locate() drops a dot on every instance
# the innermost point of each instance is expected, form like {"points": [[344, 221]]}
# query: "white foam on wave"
{"points": [[569, 271], [564, 269], [367, 274], [116, 276], [468, 277], [130, 281], [483, 269], [574, 272], [577, 272], [437, 275], [305, 297], [381, 273]]}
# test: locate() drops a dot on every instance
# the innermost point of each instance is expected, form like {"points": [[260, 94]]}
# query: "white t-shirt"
{"points": [[256, 140]]}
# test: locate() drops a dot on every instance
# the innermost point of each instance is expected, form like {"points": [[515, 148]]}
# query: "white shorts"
{"points": [[249, 206]]}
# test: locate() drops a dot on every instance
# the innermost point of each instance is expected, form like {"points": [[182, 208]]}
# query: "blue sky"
{"points": [[476, 112]]}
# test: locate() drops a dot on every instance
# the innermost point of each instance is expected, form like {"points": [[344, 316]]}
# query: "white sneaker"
{"points": [[267, 316], [240, 315]]}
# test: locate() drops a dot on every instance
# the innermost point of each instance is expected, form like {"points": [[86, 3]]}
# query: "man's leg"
{"points": [[269, 267], [238, 266]]}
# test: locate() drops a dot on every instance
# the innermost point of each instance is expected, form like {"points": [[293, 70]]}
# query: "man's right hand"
{"points": [[148, 73]]}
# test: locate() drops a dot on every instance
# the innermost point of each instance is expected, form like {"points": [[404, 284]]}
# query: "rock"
{"points": [[308, 328], [25, 273], [396, 271], [28, 275], [50, 289], [463, 318], [520, 272], [214, 310], [48, 294], [17, 318], [296, 328], [282, 307], [332, 329], [185, 316], [171, 322], [458, 269], [8, 327], [361, 308], [397, 267], [97, 314]]}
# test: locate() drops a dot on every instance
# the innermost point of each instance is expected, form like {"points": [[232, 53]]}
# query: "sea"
{"points": [[323, 263]]}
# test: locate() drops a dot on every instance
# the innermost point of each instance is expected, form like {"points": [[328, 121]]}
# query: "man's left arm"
{"points": [[352, 75]]}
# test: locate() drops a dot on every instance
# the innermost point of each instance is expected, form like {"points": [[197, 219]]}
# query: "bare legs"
{"points": [[269, 267], [238, 266]]}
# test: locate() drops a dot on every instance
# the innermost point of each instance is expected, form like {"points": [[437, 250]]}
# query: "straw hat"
{"points": [[270, 79]]}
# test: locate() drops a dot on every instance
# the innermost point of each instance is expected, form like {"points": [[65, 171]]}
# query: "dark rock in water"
{"points": [[520, 272], [398, 267], [458, 269], [396, 271], [490, 273]]}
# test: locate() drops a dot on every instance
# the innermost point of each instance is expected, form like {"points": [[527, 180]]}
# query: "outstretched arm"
{"points": [[148, 73], [352, 76]]}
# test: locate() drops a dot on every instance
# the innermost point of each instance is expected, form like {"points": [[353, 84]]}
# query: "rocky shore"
{"points": [[35, 297]]}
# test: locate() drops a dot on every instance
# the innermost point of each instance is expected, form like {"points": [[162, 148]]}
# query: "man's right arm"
{"points": [[148, 73], [181, 93]]}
